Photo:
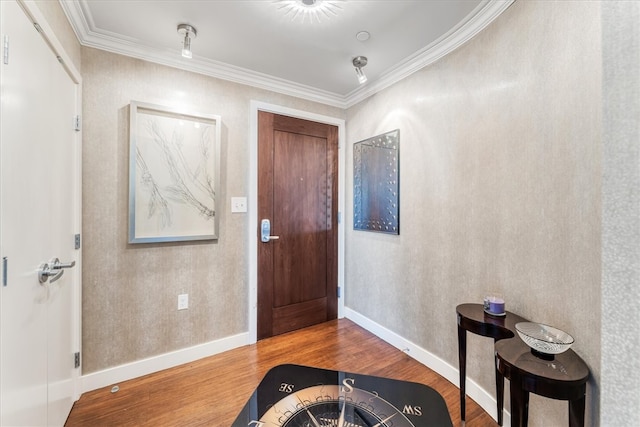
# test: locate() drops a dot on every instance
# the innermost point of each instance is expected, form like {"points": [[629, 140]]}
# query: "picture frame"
{"points": [[376, 183], [174, 174]]}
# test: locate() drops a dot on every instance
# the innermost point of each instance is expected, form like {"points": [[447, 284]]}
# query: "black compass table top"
{"points": [[302, 396]]}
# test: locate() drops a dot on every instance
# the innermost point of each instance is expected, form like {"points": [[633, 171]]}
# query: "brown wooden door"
{"points": [[298, 193]]}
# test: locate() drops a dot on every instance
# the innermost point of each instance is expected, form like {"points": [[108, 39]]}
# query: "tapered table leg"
{"points": [[462, 364], [519, 405], [499, 391], [576, 412]]}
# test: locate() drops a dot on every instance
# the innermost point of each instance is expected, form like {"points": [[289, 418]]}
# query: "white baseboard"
{"points": [[451, 373], [96, 380]]}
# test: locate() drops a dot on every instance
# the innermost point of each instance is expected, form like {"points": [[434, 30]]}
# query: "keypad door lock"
{"points": [[265, 231]]}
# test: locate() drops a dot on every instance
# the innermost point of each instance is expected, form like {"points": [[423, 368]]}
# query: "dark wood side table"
{"points": [[472, 318], [564, 378]]}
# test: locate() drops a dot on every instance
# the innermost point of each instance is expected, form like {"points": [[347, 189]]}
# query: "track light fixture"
{"points": [[188, 32], [359, 62]]}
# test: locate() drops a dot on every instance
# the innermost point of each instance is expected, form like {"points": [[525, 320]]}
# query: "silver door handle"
{"points": [[53, 270], [57, 265]]}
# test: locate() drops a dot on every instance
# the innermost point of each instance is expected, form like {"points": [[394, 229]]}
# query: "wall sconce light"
{"points": [[358, 63], [188, 32]]}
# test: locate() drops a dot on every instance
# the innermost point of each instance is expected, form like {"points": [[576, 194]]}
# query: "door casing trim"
{"points": [[252, 201]]}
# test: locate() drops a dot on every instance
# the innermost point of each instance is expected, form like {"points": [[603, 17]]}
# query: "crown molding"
{"points": [[475, 22], [88, 35]]}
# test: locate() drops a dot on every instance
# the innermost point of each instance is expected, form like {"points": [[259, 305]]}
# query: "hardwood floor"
{"points": [[213, 390]]}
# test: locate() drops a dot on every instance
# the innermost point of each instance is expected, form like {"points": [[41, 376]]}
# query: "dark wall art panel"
{"points": [[376, 183]]}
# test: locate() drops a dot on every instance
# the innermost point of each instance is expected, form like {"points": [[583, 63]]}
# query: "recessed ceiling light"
{"points": [[363, 36], [310, 9]]}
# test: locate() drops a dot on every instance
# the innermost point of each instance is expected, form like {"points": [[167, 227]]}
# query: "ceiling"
{"points": [[272, 45]]}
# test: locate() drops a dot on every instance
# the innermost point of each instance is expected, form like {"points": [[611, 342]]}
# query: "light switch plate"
{"points": [[183, 301], [238, 204]]}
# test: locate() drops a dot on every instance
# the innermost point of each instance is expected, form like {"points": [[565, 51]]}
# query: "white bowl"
{"points": [[544, 338]]}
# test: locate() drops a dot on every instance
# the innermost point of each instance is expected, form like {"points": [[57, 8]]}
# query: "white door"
{"points": [[38, 221]]}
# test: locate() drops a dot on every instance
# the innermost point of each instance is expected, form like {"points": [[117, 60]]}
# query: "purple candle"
{"points": [[496, 305]]}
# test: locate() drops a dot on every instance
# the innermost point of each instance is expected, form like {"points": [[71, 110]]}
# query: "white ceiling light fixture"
{"points": [[362, 36], [311, 9], [359, 62], [187, 32]]}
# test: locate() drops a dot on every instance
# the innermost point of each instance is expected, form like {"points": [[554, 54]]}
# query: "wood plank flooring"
{"points": [[213, 390]]}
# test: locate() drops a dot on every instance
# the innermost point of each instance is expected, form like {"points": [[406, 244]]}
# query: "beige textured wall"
{"points": [[130, 291], [621, 214], [500, 174]]}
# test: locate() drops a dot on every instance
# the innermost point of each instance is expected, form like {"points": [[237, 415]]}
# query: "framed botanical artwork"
{"points": [[174, 174], [376, 183]]}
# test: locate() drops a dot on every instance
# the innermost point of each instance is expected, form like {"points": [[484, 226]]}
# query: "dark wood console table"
{"points": [[472, 318], [564, 378]]}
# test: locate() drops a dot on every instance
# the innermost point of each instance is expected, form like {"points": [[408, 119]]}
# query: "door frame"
{"points": [[33, 13], [252, 202]]}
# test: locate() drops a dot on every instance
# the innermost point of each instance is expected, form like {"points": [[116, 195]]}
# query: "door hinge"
{"points": [[339, 217], [77, 241], [77, 123], [5, 54], [76, 360], [5, 264], [339, 291]]}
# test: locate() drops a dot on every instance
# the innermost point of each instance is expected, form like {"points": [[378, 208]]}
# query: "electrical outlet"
{"points": [[238, 204], [183, 301]]}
